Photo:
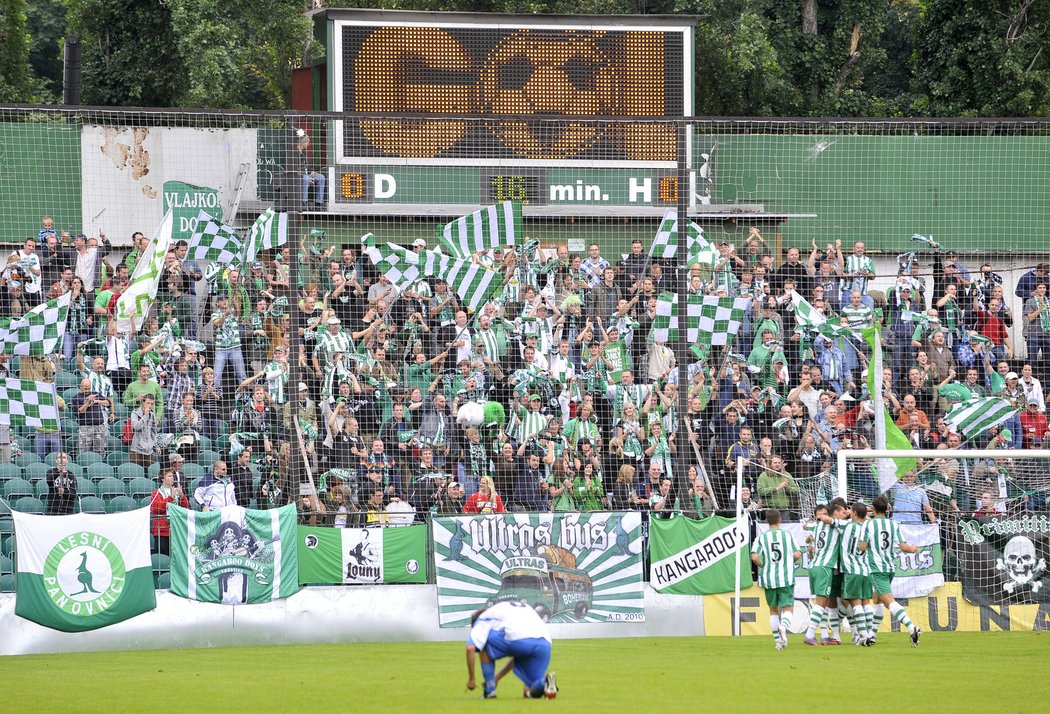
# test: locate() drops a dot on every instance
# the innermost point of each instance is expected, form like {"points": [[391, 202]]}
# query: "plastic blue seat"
{"points": [[120, 504], [29, 504], [92, 504], [17, 488]]}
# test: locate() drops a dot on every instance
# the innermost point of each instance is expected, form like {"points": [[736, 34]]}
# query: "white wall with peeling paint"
{"points": [[125, 169]]}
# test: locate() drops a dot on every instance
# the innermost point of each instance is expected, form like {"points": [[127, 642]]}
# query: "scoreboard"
{"points": [[484, 108]]}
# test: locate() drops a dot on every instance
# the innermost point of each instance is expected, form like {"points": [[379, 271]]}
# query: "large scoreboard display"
{"points": [[485, 108]]}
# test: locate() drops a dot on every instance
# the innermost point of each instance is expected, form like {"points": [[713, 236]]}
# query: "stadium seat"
{"points": [[163, 581], [160, 562], [88, 458], [193, 487], [37, 471], [128, 471], [29, 504], [7, 526], [203, 443], [116, 429], [120, 504], [145, 501], [75, 469], [6, 564], [9, 471], [110, 487], [86, 487], [23, 443], [66, 381], [207, 458], [140, 487], [70, 445], [122, 413], [50, 459], [16, 488], [99, 471], [69, 393], [192, 471], [26, 458], [115, 446], [7, 583], [222, 445], [40, 489], [116, 458], [7, 545], [154, 470], [70, 427], [92, 504]]}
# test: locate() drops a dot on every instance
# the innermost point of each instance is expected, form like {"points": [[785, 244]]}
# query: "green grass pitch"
{"points": [[949, 672]]}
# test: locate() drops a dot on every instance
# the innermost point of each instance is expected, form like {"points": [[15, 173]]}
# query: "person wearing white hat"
{"points": [[419, 244], [330, 341]]}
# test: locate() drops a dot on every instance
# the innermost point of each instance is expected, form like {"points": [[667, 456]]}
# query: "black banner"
{"points": [[1004, 559]]}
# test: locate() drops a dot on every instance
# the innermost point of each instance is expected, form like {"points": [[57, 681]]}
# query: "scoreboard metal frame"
{"points": [[501, 160]]}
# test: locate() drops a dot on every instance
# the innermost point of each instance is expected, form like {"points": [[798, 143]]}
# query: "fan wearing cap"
{"points": [[332, 340], [1033, 424]]}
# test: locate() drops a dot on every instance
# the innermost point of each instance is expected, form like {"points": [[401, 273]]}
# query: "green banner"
{"points": [[362, 556], [570, 567], [618, 360], [234, 555], [690, 557]]}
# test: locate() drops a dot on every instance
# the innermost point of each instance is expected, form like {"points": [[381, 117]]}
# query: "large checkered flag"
{"points": [[491, 227], [38, 332], [214, 241], [135, 302], [720, 319], [665, 323], [474, 284], [24, 402]]}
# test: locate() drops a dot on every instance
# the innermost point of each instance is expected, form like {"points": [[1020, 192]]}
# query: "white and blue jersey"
{"points": [[513, 629]]}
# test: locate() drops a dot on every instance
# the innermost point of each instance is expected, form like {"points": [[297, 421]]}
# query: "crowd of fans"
{"points": [[406, 403]]}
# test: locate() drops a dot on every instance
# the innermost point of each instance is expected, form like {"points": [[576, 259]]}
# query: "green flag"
{"points": [[135, 302], [884, 424], [473, 283], [484, 229], [84, 571], [234, 555], [364, 556], [698, 557]]}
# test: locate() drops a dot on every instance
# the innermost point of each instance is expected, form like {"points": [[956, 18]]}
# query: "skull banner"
{"points": [[1002, 560]]}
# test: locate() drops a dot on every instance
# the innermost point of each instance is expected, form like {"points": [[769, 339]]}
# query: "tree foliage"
{"points": [[753, 57], [16, 81], [190, 53]]}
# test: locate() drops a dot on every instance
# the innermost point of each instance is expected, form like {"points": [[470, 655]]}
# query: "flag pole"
{"points": [[681, 348], [736, 569]]}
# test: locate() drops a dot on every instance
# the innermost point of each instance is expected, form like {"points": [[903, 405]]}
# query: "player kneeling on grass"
{"points": [[884, 539], [856, 585], [511, 629], [824, 578], [775, 553]]}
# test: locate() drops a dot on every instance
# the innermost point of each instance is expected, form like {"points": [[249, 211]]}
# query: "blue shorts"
{"points": [[531, 656]]}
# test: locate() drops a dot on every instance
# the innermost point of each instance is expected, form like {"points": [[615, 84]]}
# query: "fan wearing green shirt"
{"points": [[775, 553]]}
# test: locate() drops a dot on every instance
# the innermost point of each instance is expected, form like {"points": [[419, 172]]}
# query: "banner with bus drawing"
{"points": [[571, 567]]}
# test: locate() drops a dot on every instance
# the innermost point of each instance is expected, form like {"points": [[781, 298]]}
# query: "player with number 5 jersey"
{"points": [[775, 553]]}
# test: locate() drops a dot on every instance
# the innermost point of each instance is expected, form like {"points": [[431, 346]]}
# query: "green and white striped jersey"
{"points": [[854, 562], [884, 539], [826, 539], [777, 549]]}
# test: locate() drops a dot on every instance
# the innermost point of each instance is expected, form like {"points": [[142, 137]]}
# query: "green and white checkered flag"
{"points": [[214, 241], [38, 332], [805, 314], [491, 227], [269, 231], [136, 301], [720, 319], [974, 416], [474, 284], [665, 323], [24, 402], [665, 242]]}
